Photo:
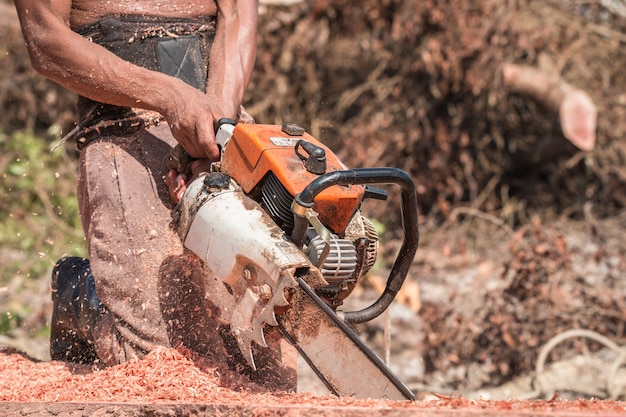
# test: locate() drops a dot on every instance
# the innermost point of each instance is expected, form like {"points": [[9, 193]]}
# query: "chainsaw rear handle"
{"points": [[365, 176]]}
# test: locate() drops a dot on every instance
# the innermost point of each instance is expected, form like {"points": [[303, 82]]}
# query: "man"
{"points": [[150, 74]]}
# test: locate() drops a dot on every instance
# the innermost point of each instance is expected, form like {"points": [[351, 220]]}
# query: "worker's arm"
{"points": [[90, 70], [230, 68], [233, 53]]}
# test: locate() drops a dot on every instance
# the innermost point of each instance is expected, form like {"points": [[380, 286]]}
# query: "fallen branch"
{"points": [[577, 112]]}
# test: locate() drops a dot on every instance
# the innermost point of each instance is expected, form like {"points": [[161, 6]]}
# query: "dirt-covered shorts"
{"points": [[151, 288]]}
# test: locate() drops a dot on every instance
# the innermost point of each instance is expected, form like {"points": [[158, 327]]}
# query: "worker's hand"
{"points": [[191, 118], [177, 182]]}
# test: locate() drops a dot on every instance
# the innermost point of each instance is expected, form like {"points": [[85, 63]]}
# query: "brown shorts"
{"points": [[150, 286], [153, 288]]}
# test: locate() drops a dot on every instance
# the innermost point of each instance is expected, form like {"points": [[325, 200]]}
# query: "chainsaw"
{"points": [[278, 220]]}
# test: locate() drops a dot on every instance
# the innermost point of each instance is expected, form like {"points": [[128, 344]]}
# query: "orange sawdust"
{"points": [[181, 376], [169, 375]]}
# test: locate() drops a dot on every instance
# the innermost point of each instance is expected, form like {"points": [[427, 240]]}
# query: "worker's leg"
{"points": [[125, 208], [152, 291]]}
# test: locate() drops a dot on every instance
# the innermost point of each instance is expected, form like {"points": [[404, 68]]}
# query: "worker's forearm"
{"points": [[95, 72], [233, 54], [103, 77]]}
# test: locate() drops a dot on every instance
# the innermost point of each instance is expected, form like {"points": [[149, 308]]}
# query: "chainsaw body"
{"points": [[279, 219], [270, 163]]}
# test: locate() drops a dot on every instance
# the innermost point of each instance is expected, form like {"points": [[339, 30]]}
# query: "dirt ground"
{"points": [[517, 291], [493, 313]]}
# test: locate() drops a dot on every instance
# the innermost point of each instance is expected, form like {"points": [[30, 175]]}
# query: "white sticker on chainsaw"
{"points": [[279, 141]]}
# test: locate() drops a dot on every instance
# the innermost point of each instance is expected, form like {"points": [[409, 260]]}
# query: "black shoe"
{"points": [[76, 308]]}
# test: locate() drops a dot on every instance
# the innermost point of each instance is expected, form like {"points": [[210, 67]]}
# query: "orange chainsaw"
{"points": [[278, 221]]}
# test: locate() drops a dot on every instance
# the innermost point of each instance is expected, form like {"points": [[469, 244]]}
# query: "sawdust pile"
{"points": [[177, 376], [166, 375], [163, 375]]}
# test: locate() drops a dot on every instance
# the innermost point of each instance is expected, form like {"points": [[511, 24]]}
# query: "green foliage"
{"points": [[39, 220], [8, 321]]}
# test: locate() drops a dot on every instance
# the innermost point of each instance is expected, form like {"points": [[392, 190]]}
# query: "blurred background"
{"points": [[510, 117]]}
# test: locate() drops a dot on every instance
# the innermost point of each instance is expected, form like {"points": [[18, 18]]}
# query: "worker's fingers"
{"points": [[176, 185], [199, 166], [198, 139], [206, 142], [170, 177], [192, 124], [191, 143], [177, 182]]}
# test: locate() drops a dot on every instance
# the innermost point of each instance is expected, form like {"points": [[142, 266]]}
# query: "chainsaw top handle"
{"points": [[366, 176]]}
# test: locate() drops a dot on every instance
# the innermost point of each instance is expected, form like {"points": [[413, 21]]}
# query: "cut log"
{"points": [[577, 112]]}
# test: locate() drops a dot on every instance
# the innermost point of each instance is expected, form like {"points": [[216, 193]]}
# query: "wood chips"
{"points": [[177, 376]]}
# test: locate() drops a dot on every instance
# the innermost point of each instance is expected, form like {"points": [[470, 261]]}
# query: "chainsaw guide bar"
{"points": [[336, 353]]}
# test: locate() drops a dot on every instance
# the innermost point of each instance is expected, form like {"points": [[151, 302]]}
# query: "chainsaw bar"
{"points": [[335, 352]]}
